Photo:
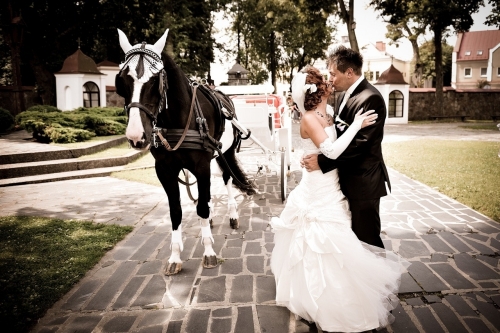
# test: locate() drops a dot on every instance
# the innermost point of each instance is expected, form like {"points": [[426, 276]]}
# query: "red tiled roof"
{"points": [[78, 62], [474, 41], [391, 76], [107, 63]]}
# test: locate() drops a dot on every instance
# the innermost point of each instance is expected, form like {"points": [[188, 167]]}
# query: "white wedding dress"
{"points": [[323, 273]]}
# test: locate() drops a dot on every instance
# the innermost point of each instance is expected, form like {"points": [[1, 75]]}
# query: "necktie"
{"points": [[344, 101]]}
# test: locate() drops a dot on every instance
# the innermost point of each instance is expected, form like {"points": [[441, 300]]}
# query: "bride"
{"points": [[323, 273]]}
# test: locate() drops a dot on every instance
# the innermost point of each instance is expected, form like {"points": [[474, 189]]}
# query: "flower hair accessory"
{"points": [[311, 87]]}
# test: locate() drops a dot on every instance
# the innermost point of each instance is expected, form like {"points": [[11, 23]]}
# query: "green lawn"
{"points": [[41, 259], [467, 171]]}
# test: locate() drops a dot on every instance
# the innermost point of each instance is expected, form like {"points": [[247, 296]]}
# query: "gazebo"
{"points": [[238, 76], [79, 83], [396, 93]]}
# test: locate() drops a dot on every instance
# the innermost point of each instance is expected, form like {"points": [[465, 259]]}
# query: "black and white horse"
{"points": [[182, 123]]}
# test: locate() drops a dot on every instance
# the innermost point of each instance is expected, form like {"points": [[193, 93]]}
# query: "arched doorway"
{"points": [[91, 95]]}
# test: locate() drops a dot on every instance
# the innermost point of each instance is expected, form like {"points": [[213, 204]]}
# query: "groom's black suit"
{"points": [[361, 167]]}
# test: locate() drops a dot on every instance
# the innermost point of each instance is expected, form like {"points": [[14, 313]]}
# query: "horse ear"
{"points": [[124, 43], [160, 44]]}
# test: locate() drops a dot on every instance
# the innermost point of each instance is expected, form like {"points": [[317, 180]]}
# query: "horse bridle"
{"points": [[153, 60]]}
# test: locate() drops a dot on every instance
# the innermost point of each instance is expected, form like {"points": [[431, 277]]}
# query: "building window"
{"points": [[90, 95], [467, 53], [498, 71], [369, 75], [468, 72], [480, 52], [483, 71], [396, 104], [377, 75]]}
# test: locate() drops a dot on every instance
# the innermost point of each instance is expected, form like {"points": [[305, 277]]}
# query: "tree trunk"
{"points": [[417, 72], [12, 35], [348, 17], [439, 70], [45, 81]]}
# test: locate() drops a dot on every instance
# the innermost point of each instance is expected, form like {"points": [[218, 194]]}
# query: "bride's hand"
{"points": [[368, 118]]}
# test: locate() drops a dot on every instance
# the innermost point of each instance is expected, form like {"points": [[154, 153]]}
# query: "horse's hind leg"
{"points": [[231, 204]]}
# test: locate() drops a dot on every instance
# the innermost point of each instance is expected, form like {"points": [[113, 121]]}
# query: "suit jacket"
{"points": [[362, 171]]}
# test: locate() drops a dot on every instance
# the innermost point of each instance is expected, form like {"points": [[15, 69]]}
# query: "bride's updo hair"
{"points": [[312, 100]]}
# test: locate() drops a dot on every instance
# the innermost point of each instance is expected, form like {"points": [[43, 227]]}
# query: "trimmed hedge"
{"points": [[49, 124], [7, 120]]}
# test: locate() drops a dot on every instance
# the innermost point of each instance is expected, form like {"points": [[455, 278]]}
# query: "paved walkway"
{"points": [[453, 283]]}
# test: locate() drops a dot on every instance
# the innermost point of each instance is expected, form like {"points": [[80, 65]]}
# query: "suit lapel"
{"points": [[348, 114]]}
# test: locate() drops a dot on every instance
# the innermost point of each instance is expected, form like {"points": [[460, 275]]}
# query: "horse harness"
{"points": [[185, 138]]}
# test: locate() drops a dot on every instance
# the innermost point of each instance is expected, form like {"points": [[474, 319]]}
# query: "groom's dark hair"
{"points": [[346, 58]]}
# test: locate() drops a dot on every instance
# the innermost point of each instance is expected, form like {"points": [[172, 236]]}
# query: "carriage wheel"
{"points": [[284, 175], [192, 191]]}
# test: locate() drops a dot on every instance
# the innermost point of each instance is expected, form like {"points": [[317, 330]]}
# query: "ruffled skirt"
{"points": [[324, 274]]}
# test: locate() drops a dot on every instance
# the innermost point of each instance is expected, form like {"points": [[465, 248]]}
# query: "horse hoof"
{"points": [[209, 261], [173, 268], [234, 223]]}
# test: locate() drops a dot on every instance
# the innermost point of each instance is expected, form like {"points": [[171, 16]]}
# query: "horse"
{"points": [[185, 125]]}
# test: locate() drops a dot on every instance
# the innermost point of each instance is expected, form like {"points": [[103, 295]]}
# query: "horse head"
{"points": [[142, 83]]}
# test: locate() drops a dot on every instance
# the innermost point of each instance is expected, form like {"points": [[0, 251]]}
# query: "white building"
{"points": [[396, 94], [79, 83]]}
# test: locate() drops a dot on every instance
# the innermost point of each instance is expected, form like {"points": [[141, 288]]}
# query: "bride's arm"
{"points": [[333, 149]]}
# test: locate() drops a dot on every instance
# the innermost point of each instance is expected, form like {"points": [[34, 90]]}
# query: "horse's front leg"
{"points": [[168, 179], [204, 211]]}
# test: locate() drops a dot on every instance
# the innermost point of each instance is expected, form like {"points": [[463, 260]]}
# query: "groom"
{"points": [[361, 167]]}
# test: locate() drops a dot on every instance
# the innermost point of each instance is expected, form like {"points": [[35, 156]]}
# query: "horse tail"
{"points": [[241, 181]]}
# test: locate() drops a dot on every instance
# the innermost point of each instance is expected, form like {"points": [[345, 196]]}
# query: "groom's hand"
{"points": [[310, 162]]}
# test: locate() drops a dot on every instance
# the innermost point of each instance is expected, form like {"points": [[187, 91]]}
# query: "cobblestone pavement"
{"points": [[453, 284]]}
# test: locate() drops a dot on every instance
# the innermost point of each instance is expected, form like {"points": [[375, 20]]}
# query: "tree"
{"points": [[407, 29], [55, 29], [292, 39], [427, 53], [438, 16], [494, 18], [338, 8]]}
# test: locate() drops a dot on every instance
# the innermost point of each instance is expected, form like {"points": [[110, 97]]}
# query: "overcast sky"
{"points": [[369, 29]]}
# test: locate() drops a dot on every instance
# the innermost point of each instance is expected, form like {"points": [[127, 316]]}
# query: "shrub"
{"points": [[50, 124], [59, 134], [43, 108], [7, 120]]}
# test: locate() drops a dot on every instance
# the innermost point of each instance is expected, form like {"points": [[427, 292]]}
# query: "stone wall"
{"points": [[114, 100], [477, 104]]}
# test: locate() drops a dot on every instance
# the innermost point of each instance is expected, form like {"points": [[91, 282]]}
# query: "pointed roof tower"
{"points": [[78, 62], [391, 76]]}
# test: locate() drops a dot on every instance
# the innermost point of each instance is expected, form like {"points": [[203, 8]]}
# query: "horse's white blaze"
{"points": [[135, 129], [231, 201]]}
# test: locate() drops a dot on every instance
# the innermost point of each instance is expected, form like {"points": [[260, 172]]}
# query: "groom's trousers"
{"points": [[366, 221]]}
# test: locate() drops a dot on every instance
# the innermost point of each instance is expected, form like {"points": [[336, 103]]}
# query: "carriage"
{"points": [[268, 118]]}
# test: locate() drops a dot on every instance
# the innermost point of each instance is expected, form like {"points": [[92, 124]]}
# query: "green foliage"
{"points": [[466, 171], [73, 126], [428, 60], [40, 261], [494, 18], [43, 108], [299, 31], [7, 120]]}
